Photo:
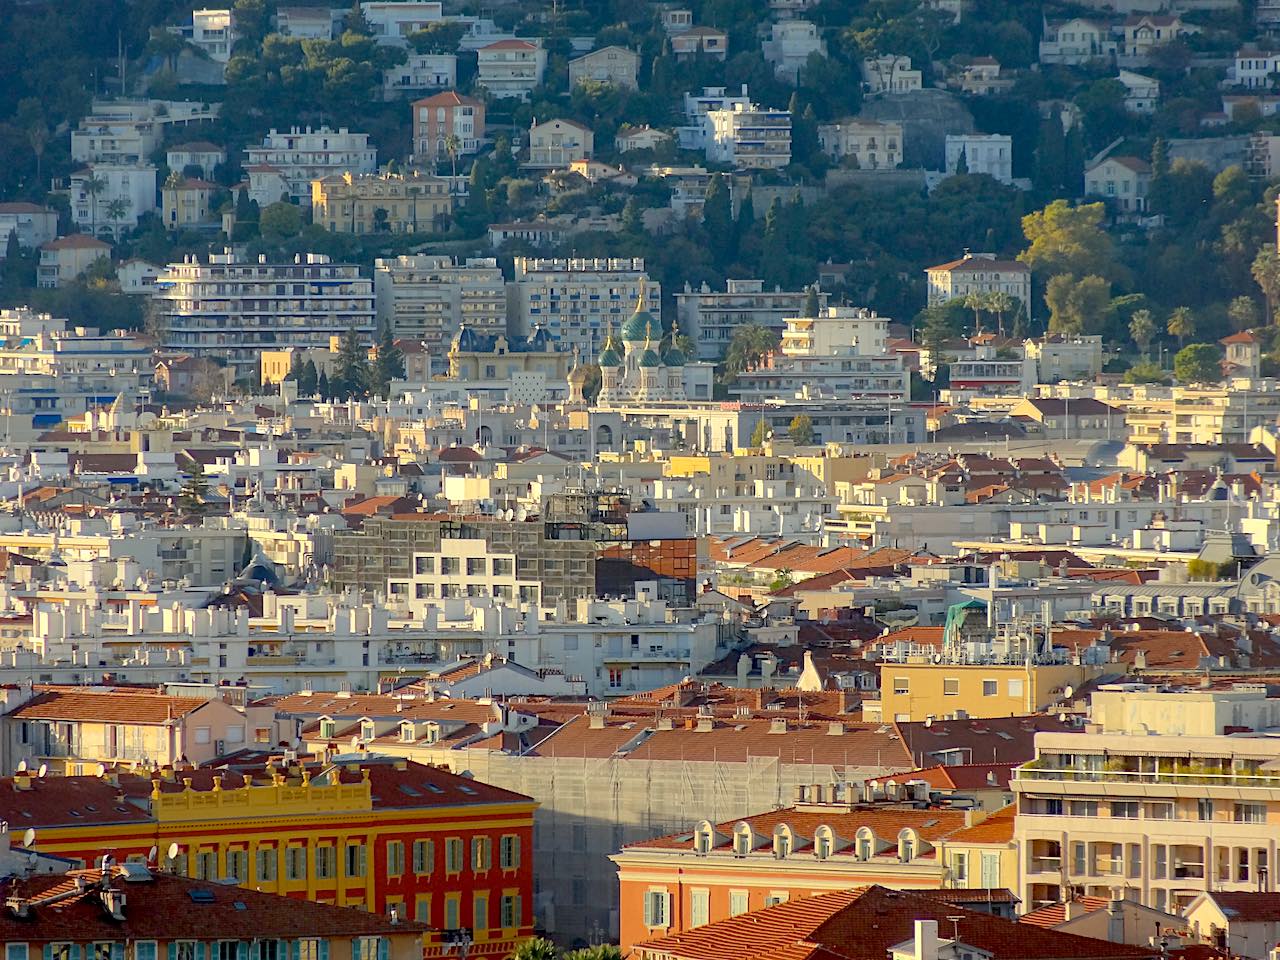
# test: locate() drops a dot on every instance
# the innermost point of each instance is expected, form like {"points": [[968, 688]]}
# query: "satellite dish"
{"points": [[22, 766], [102, 770], [29, 838], [928, 722], [522, 514], [151, 855], [1069, 692], [43, 771], [32, 860], [355, 743], [173, 851]]}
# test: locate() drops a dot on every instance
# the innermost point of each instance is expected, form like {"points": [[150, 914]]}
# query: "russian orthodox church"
{"points": [[634, 366]]}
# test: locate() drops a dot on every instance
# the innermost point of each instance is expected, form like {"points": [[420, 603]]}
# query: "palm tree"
{"points": [[453, 146], [117, 210], [1142, 329], [977, 302], [94, 186], [1266, 273], [999, 303], [1182, 324]]}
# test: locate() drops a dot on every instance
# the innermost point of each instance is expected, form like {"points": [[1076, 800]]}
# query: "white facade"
{"points": [[420, 73], [427, 298], [128, 190], [393, 21], [32, 223], [1254, 69], [213, 32], [577, 299], [1076, 41], [978, 273], [754, 138], [710, 317], [510, 68], [232, 309], [302, 155], [891, 73], [557, 144], [1142, 94], [615, 65], [989, 153], [790, 44], [863, 144]]}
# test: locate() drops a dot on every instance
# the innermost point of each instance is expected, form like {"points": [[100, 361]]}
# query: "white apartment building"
{"points": [[125, 192], [711, 317], [421, 72], [693, 135], [510, 68], [49, 371], [1153, 797], [789, 46], [302, 155], [1065, 358], [233, 309], [978, 273], [754, 138], [1076, 41], [1142, 94], [428, 298], [213, 33], [891, 73], [989, 153], [863, 144], [393, 21], [307, 23], [842, 352], [130, 130], [1254, 69], [577, 300], [32, 223]]}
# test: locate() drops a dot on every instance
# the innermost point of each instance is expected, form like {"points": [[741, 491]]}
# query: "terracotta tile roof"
{"points": [[732, 741], [449, 98], [982, 263], [863, 924], [378, 706], [66, 801], [140, 708], [999, 739], [163, 908], [921, 636], [19, 206], [510, 45], [997, 828], [885, 821], [77, 241], [1244, 336], [1056, 913], [968, 776]]}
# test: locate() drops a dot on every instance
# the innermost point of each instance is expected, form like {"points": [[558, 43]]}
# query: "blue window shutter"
{"points": [[242, 950], [173, 950], [201, 950], [296, 952], [323, 952], [384, 948], [117, 951], [48, 951]]}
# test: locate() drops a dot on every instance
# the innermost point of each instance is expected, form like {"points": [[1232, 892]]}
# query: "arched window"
{"points": [[703, 838], [782, 841], [866, 843], [908, 845], [824, 842], [741, 840]]}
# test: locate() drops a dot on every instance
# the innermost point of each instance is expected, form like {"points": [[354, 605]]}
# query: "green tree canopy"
{"points": [[1077, 306], [1198, 363], [801, 430]]}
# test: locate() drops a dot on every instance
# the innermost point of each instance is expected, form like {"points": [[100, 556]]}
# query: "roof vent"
{"points": [[778, 725]]}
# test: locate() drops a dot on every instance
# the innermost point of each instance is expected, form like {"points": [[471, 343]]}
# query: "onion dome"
{"points": [[636, 329]]}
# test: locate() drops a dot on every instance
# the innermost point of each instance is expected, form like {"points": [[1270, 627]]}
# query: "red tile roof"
{"points": [[968, 776], [140, 708], [1056, 913], [863, 924], [77, 241], [163, 908], [997, 828], [1248, 907]]}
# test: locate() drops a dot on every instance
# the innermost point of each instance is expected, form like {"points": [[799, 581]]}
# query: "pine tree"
{"points": [[962, 163], [811, 302], [12, 249], [323, 390], [388, 364], [717, 217], [351, 374], [1158, 195], [295, 367], [308, 381], [194, 490]]}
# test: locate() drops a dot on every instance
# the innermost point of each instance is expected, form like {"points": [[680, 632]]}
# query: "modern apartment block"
{"points": [[750, 138], [578, 299], [465, 556], [232, 309], [711, 317], [302, 155], [510, 68], [429, 298], [1168, 794]]}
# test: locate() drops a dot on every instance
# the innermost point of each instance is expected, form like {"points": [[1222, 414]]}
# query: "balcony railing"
{"points": [[1228, 778]]}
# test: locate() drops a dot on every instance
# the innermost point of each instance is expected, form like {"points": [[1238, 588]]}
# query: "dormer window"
{"points": [[433, 733], [866, 844], [742, 841], [782, 842], [327, 728], [367, 731], [907, 846], [702, 839], [408, 733], [823, 843]]}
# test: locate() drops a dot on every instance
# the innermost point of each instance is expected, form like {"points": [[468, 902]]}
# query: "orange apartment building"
{"points": [[824, 843]]}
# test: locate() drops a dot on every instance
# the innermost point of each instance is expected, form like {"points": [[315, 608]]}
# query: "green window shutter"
{"points": [[295, 952], [517, 910], [384, 948], [323, 952], [242, 950], [173, 951]]}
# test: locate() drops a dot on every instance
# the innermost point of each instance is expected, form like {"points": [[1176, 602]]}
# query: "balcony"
{"points": [[1190, 776]]}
